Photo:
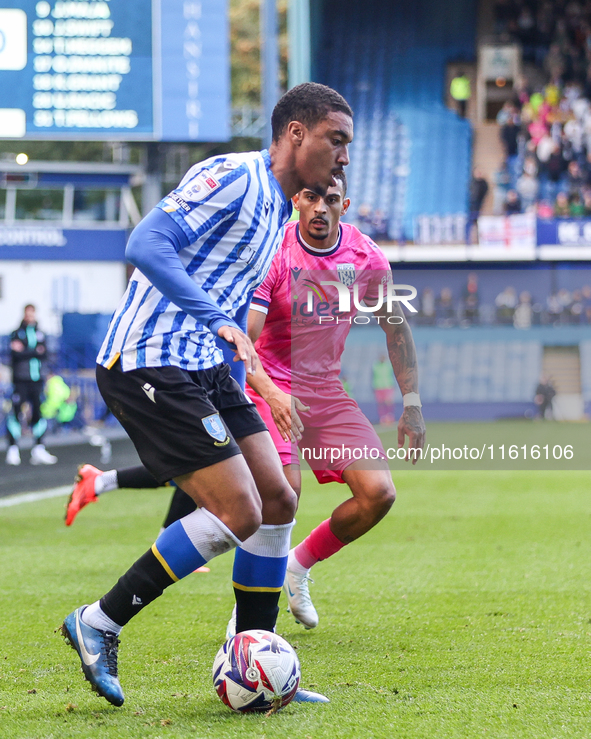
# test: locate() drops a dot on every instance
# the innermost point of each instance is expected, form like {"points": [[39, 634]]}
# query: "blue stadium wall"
{"points": [[412, 155]]}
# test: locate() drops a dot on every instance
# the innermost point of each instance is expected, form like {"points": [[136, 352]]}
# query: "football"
{"points": [[256, 671]]}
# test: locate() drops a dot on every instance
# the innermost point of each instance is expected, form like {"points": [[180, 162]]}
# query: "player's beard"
{"points": [[318, 237]]}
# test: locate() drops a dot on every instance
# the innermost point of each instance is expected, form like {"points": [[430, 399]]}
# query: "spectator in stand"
{"points": [[567, 149], [577, 313], [502, 182], [380, 226], [562, 206], [427, 315], [587, 203], [445, 309], [544, 149], [580, 108], [535, 103], [551, 166], [575, 178], [528, 185], [558, 113], [587, 168], [505, 303], [573, 130], [471, 299], [365, 219], [545, 209], [512, 203], [555, 168], [537, 130], [586, 300], [509, 133], [522, 90], [553, 309], [587, 125], [478, 191], [576, 206], [506, 113], [554, 63], [551, 99], [522, 317], [565, 301]]}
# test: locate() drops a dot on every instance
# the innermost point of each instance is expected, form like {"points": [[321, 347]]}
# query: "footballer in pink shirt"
{"points": [[324, 275]]}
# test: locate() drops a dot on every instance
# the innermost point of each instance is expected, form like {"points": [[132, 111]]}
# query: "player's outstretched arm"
{"points": [[403, 356], [153, 248], [284, 407]]}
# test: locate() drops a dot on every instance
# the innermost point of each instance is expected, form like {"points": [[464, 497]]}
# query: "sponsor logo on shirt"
{"points": [[178, 203], [201, 186]]}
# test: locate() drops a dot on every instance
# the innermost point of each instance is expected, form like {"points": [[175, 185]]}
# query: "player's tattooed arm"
{"points": [[403, 357]]}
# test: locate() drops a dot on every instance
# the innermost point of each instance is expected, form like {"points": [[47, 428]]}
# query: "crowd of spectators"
{"points": [[519, 309], [373, 223], [546, 129]]}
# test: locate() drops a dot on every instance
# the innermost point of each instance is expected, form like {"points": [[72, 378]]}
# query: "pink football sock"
{"points": [[320, 544]]}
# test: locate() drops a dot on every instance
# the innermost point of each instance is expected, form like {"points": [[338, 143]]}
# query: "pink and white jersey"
{"points": [[305, 331]]}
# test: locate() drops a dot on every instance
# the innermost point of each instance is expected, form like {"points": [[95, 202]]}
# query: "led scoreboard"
{"points": [[154, 70]]}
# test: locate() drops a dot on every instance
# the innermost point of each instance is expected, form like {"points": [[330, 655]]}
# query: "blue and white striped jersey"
{"points": [[231, 210]]}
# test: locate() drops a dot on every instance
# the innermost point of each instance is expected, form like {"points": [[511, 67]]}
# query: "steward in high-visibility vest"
{"points": [[461, 92]]}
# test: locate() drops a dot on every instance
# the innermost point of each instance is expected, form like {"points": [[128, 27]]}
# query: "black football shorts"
{"points": [[179, 421]]}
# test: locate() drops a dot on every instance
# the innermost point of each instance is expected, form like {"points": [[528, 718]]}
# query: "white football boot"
{"points": [[298, 598], [231, 627], [13, 456], [40, 455]]}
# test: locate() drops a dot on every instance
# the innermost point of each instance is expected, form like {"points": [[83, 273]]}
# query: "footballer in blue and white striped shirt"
{"points": [[199, 256]]}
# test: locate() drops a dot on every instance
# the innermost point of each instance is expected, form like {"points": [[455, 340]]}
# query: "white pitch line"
{"points": [[33, 497]]}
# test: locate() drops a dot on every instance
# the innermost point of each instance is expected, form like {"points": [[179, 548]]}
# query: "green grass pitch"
{"points": [[465, 613]]}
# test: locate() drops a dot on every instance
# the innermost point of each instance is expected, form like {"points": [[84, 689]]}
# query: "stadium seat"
{"points": [[411, 155]]}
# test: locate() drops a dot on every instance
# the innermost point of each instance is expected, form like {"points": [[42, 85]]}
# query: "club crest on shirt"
{"points": [[215, 428], [346, 273]]}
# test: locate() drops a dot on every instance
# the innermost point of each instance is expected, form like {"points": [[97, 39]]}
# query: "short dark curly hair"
{"points": [[307, 103]]}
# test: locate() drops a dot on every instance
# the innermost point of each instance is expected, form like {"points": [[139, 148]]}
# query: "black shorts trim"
{"points": [[179, 421]]}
